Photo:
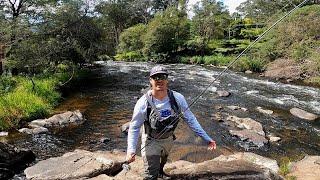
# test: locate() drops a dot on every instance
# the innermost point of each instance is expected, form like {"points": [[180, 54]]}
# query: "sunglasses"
{"points": [[159, 77]]}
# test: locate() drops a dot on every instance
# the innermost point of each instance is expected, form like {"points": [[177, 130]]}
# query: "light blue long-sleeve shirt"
{"points": [[164, 106]]}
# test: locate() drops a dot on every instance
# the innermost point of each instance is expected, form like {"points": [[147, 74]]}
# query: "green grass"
{"points": [[246, 63], [284, 168], [216, 60], [314, 80], [28, 101]]}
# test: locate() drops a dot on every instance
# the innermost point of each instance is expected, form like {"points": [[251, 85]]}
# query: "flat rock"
{"points": [[212, 169], [303, 114], [247, 123], [306, 169], [264, 111], [251, 136], [135, 172], [57, 121], [261, 161], [76, 164], [176, 165], [102, 177]]}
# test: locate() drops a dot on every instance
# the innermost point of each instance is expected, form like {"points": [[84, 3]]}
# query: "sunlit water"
{"points": [[108, 99]]}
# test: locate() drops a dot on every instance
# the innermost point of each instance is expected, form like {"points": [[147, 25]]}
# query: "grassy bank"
{"points": [[243, 64], [24, 98]]}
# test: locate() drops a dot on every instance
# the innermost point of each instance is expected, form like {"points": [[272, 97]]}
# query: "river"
{"points": [[107, 101]]}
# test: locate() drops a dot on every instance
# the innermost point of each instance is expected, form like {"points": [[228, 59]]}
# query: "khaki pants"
{"points": [[155, 155]]}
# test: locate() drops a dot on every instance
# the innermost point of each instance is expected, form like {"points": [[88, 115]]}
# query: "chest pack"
{"points": [[155, 125]]}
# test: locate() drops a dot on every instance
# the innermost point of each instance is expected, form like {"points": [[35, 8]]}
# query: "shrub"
{"points": [[246, 63], [184, 60], [130, 56]]}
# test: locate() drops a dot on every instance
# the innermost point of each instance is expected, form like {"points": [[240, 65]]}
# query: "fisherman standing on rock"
{"points": [[158, 111]]}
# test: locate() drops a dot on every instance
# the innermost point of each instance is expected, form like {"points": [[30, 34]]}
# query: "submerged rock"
{"points": [[247, 130], [237, 108], [303, 114], [251, 136], [223, 93], [247, 123], [13, 160]]}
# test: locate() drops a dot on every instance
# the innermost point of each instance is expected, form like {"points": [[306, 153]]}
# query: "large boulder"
{"points": [[57, 121], [263, 162], [306, 169], [13, 160], [236, 166], [303, 114], [77, 164], [213, 169]]}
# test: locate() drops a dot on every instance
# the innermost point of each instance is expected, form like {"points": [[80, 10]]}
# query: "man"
{"points": [[158, 112]]}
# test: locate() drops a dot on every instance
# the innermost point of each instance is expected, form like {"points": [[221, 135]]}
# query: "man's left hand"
{"points": [[212, 145]]}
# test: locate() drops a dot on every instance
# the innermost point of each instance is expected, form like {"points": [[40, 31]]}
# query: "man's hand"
{"points": [[131, 157], [212, 145]]}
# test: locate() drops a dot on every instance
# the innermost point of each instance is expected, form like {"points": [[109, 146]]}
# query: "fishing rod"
{"points": [[180, 115]]}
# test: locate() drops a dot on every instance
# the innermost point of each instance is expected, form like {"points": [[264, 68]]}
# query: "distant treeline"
{"points": [[40, 35]]}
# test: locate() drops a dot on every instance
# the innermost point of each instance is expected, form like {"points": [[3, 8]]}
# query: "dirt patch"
{"points": [[284, 69]]}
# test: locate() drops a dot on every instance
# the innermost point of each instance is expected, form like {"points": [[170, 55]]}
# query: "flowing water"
{"points": [[108, 99]]}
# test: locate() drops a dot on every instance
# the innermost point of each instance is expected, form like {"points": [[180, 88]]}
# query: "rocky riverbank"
{"points": [[82, 164]]}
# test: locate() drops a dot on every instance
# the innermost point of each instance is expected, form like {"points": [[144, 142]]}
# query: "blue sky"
{"points": [[231, 4]]}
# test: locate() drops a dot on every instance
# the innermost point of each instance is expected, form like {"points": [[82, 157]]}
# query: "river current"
{"points": [[107, 101]]}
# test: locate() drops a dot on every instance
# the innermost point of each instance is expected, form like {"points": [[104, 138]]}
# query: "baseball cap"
{"points": [[158, 70]]}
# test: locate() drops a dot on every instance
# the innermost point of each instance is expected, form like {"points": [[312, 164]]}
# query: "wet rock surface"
{"points": [[247, 129], [13, 160]]}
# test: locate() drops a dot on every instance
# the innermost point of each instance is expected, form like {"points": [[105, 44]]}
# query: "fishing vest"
{"points": [[153, 124]]}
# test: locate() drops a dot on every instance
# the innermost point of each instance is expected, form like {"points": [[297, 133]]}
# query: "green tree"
{"points": [[131, 38], [167, 32], [210, 22], [66, 34], [262, 10]]}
